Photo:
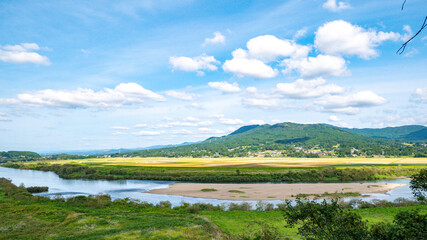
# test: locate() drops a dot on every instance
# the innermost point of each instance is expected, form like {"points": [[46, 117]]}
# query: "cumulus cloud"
{"points": [[22, 53], [334, 118], [420, 95], [4, 117], [301, 89], [322, 65], [334, 6], [342, 38], [196, 64], [350, 104], [261, 102], [242, 66], [217, 38], [225, 86], [122, 95], [181, 95], [269, 48], [230, 121], [262, 50]]}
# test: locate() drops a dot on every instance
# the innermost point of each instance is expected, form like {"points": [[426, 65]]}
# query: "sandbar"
{"points": [[269, 191]]}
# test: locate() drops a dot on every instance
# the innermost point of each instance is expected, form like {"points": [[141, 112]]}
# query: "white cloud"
{"points": [[191, 119], [181, 132], [184, 124], [420, 95], [140, 125], [342, 38], [350, 104], [256, 122], [334, 6], [334, 118], [225, 86], [147, 133], [123, 94], [120, 128], [217, 38], [23, 53], [322, 65], [251, 89], [301, 88], [181, 95], [268, 48], [196, 64], [230, 121], [241, 66], [4, 117], [261, 103], [119, 133], [261, 50], [210, 131], [217, 115], [300, 33]]}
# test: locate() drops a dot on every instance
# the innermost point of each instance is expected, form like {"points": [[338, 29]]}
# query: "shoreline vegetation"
{"points": [[222, 174], [274, 191]]}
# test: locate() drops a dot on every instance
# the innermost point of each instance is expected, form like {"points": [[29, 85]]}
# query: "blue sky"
{"points": [[126, 74]]}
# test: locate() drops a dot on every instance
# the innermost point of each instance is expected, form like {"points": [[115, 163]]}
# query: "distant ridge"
{"points": [[408, 132]]}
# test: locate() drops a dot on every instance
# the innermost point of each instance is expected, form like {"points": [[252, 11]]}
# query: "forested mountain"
{"points": [[408, 133], [291, 139]]}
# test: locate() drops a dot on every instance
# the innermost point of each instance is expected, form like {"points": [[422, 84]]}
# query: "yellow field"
{"points": [[243, 162]]}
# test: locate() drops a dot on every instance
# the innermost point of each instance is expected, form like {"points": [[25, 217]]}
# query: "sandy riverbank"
{"points": [[270, 191]]}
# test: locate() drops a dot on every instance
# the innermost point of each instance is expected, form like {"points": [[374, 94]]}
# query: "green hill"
{"points": [[408, 133], [291, 139]]}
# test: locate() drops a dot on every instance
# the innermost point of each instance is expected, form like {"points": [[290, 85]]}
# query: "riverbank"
{"points": [[247, 174], [274, 191]]}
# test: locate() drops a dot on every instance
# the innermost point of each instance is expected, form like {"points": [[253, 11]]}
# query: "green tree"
{"points": [[325, 220], [418, 184]]}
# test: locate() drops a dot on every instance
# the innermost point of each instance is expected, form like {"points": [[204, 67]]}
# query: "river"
{"points": [[135, 189]]}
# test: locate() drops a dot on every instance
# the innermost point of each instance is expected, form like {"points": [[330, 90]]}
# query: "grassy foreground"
{"points": [[23, 216]]}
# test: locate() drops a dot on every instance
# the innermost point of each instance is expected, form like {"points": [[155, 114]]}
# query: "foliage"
{"points": [[330, 221], [37, 189], [18, 156], [325, 221], [418, 185]]}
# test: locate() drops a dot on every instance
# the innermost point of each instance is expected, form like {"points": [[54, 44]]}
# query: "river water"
{"points": [[135, 189]]}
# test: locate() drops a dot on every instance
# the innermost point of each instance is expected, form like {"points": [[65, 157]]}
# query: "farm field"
{"points": [[246, 162]]}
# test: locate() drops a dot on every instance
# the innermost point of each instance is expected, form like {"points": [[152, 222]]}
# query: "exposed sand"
{"points": [[270, 191]]}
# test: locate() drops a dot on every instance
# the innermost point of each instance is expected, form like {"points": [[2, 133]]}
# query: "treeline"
{"points": [[221, 176], [18, 155]]}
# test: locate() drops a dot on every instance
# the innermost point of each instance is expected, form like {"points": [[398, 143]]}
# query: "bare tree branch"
{"points": [[403, 5], [402, 48]]}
